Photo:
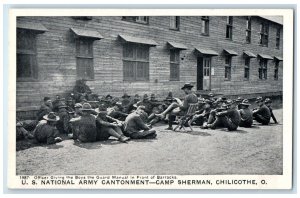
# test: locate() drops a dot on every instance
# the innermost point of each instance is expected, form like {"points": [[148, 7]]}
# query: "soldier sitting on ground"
{"points": [[64, 118], [45, 108], [268, 103], [146, 103], [125, 102], [179, 107], [229, 118], [116, 112], [72, 125], [22, 133], [135, 125], [246, 114], [202, 115], [262, 113], [46, 131], [85, 125], [108, 126], [81, 90], [132, 105], [238, 101]]}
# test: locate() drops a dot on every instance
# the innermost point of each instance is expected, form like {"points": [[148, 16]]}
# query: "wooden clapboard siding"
{"points": [[56, 57]]}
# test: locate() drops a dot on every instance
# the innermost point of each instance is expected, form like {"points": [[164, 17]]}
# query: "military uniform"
{"points": [[229, 119], [135, 127], [262, 115]]}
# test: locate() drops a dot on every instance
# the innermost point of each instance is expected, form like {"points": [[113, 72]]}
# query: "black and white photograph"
{"points": [[152, 101]]}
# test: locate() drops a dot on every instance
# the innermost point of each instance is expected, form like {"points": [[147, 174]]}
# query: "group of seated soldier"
{"points": [[231, 114], [133, 117]]}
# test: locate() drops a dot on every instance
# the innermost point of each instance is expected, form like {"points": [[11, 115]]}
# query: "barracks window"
{"points": [[135, 62], [174, 22], [174, 65], [278, 38], [276, 70], [205, 25], [229, 27], [137, 19], [247, 68], [228, 67], [264, 34], [26, 55], [263, 69], [84, 58], [248, 30]]}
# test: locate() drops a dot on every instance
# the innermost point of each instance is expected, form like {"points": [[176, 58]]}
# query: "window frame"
{"points": [[32, 53], [205, 20], [278, 32], [248, 29], [247, 66], [136, 19], [229, 26], [228, 66], [135, 60], [276, 70], [263, 69], [264, 35], [176, 20], [89, 56], [175, 63]]}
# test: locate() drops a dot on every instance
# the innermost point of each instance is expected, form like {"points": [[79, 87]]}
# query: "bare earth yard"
{"points": [[257, 150]]}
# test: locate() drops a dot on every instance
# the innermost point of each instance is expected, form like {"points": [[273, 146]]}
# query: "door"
{"points": [[203, 73]]}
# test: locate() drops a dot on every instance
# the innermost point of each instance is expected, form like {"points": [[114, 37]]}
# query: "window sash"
{"points": [[84, 58], [229, 32], [263, 69], [135, 62], [227, 72], [229, 20], [228, 60], [248, 23], [248, 36], [26, 55], [205, 27], [246, 73], [174, 22], [26, 66], [174, 71]]}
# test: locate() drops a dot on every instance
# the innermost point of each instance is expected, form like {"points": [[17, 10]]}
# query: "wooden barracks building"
{"points": [[232, 55]]}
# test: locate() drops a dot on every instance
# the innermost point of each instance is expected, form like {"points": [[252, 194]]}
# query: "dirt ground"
{"points": [[257, 150]]}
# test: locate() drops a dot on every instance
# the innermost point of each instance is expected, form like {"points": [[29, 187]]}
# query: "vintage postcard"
{"points": [[175, 99]]}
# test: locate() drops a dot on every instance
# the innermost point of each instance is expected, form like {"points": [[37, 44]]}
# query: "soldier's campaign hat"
{"points": [[201, 100], [86, 107], [78, 105], [142, 107], [245, 102], [136, 96], [230, 102], [211, 94], [70, 99], [101, 109], [152, 95], [145, 97], [51, 117], [47, 98], [223, 106], [259, 99], [125, 95], [239, 99], [268, 100], [119, 104], [108, 96], [62, 105], [187, 86]]}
